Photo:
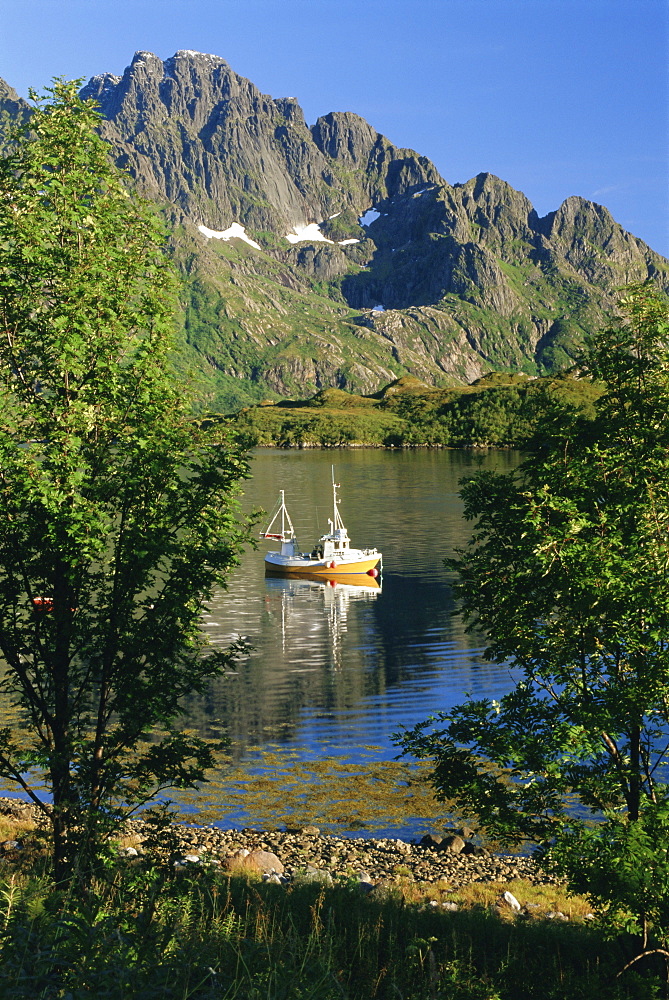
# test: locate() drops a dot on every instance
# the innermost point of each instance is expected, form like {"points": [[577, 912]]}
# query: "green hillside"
{"points": [[499, 410]]}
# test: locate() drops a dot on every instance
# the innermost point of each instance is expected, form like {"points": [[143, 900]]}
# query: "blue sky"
{"points": [[557, 97]]}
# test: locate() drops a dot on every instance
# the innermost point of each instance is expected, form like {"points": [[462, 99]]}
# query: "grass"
{"points": [[12, 828], [152, 934], [149, 932]]}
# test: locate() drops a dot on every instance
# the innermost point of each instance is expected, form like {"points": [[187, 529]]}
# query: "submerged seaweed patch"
{"points": [[276, 787]]}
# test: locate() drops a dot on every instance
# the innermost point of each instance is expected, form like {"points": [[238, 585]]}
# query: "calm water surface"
{"points": [[340, 666]]}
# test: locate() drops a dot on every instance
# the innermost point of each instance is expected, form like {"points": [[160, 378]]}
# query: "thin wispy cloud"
{"points": [[607, 190]]}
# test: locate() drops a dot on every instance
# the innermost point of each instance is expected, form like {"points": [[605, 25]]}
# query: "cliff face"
{"points": [[207, 140], [12, 109], [402, 273]]}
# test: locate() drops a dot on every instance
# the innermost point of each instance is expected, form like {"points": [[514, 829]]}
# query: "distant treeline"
{"points": [[499, 410]]}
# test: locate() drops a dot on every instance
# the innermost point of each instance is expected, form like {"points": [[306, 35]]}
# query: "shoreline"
{"points": [[357, 445], [371, 859], [375, 860]]}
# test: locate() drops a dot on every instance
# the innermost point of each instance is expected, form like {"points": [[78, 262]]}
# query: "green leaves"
{"points": [[85, 259], [118, 512], [567, 573]]}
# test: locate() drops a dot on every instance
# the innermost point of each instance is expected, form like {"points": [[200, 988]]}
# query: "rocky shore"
{"points": [[452, 858], [293, 853]]}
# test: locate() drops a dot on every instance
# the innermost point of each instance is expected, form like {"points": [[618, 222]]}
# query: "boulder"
{"points": [[511, 901], [263, 862], [453, 844], [475, 851], [312, 874]]}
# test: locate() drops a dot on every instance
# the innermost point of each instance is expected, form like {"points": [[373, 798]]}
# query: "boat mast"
{"points": [[286, 523], [337, 522]]}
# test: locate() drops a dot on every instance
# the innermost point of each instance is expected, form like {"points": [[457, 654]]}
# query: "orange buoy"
{"points": [[373, 572], [333, 564]]}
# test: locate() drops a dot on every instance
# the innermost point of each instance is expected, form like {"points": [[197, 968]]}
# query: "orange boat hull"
{"points": [[328, 570]]}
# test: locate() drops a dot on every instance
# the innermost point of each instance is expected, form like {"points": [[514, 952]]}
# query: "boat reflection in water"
{"points": [[308, 605]]}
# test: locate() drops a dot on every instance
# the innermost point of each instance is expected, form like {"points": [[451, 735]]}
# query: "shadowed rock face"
{"points": [[470, 278], [12, 108]]}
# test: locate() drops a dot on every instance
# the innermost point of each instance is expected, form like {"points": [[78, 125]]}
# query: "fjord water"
{"points": [[340, 667]]}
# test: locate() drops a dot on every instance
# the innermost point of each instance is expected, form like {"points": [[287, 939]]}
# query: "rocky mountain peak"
{"points": [[8, 93], [290, 109], [356, 262], [12, 107], [345, 137], [576, 215], [210, 142], [498, 213], [493, 197], [186, 87], [387, 170]]}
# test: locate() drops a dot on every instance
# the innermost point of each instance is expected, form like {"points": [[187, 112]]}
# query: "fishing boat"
{"points": [[332, 555]]}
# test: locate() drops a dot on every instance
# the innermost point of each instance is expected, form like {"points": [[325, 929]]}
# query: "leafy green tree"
{"points": [[118, 511], [567, 573]]}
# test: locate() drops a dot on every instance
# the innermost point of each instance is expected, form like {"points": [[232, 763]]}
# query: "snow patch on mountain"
{"points": [[310, 233], [371, 215], [234, 232]]}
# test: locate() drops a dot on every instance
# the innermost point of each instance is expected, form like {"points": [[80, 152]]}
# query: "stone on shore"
{"points": [[455, 844], [258, 860]]}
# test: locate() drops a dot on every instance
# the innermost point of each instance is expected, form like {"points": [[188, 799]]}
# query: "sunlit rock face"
{"points": [[12, 109], [207, 140]]}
